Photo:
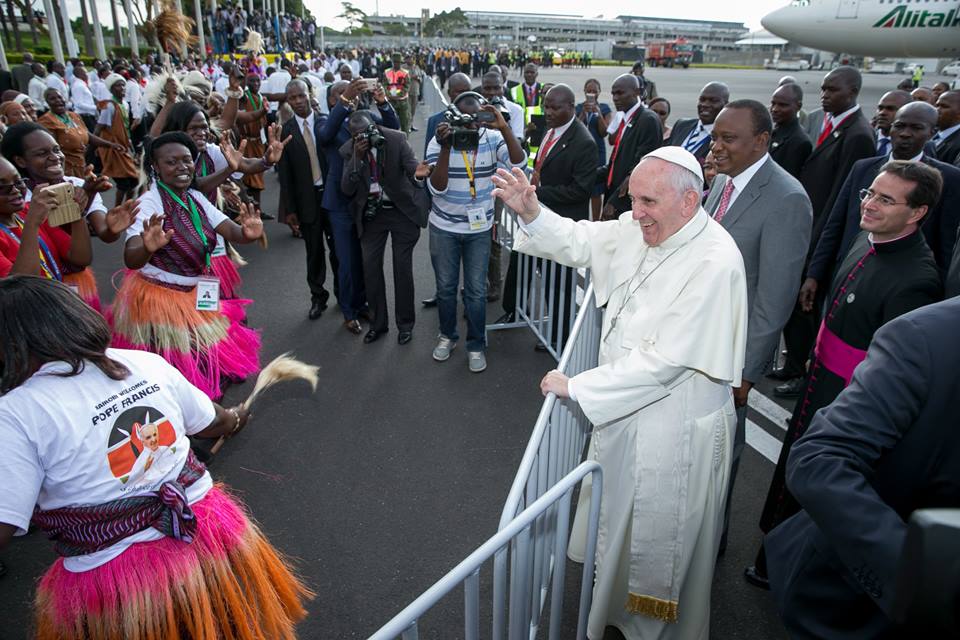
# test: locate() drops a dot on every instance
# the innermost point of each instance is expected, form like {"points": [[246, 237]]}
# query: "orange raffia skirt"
{"points": [[210, 348], [86, 286], [228, 584]]}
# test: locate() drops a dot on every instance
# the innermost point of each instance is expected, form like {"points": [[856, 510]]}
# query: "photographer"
{"points": [[465, 156], [388, 198]]}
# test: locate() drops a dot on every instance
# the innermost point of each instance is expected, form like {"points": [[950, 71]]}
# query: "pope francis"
{"points": [[674, 331]]}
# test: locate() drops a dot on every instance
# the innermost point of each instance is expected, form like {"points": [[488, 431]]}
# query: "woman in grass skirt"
{"points": [[96, 454], [169, 303]]}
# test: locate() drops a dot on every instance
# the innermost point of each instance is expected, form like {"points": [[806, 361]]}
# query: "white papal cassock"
{"points": [[673, 339]]}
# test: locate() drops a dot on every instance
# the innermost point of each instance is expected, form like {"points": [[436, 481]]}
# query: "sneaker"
{"points": [[477, 360], [441, 352]]}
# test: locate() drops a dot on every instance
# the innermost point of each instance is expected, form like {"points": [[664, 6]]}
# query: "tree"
{"points": [[356, 18], [446, 23], [396, 29]]}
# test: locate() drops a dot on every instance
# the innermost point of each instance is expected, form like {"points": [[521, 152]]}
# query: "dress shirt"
{"points": [[99, 90], [554, 135], [83, 102], [699, 134], [836, 120], [54, 81], [946, 133], [35, 90], [883, 142], [742, 179], [916, 158], [276, 83], [619, 116], [309, 120], [516, 118], [134, 97]]}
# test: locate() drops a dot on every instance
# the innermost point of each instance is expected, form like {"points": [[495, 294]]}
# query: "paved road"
{"points": [[398, 466]]}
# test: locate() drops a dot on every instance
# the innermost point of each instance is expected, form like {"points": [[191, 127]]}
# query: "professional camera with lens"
{"points": [[464, 138], [371, 206], [501, 106], [372, 135]]}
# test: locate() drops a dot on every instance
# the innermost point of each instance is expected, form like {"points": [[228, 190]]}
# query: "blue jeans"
{"points": [[353, 295], [447, 251]]}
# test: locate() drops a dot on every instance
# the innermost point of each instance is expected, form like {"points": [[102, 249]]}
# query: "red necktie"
{"points": [[724, 200], [616, 149], [545, 149], [827, 129]]}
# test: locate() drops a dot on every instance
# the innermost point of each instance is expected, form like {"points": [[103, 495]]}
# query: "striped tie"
{"points": [[693, 140], [724, 200]]}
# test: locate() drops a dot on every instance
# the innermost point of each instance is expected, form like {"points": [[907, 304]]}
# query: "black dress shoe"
{"points": [[317, 309], [404, 337], [373, 335], [789, 389], [781, 374], [365, 315], [542, 348], [755, 578], [353, 326], [429, 302], [506, 318]]}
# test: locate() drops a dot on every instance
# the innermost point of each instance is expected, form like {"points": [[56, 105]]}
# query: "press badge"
{"points": [[375, 188], [208, 294], [219, 251], [477, 218]]}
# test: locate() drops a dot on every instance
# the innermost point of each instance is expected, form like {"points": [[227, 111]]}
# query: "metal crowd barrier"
{"points": [[548, 295], [432, 96], [546, 519]]}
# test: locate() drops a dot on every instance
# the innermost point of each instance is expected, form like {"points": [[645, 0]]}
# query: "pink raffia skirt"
{"points": [[228, 584], [228, 274], [210, 348], [86, 285]]}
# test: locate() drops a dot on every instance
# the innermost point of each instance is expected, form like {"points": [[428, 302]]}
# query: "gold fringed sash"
{"points": [[664, 610]]}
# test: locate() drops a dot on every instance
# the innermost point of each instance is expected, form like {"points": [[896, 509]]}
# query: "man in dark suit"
{"points": [[845, 137], [947, 140], [564, 173], [693, 134], [912, 128], [768, 214], [638, 133], [789, 145], [887, 108], [884, 448], [388, 199], [302, 168], [342, 98], [22, 73]]}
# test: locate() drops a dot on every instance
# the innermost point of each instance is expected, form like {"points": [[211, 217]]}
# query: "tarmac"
{"points": [[397, 467]]}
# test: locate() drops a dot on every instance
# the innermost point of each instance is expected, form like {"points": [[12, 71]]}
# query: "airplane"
{"points": [[888, 28]]}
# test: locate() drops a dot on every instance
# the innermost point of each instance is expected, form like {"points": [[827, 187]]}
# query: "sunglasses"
{"points": [[7, 189]]}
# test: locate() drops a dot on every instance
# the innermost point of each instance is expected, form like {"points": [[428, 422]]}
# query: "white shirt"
{"points": [[221, 83], [916, 158], [619, 116], [835, 120], [742, 179], [56, 82], [151, 204], [35, 90], [355, 67], [516, 118], [134, 97], [99, 90], [96, 204], [553, 135], [276, 83], [946, 133], [83, 102], [74, 441], [309, 120], [698, 135]]}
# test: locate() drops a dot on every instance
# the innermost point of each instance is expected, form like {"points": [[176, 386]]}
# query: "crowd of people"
{"points": [[819, 225]]}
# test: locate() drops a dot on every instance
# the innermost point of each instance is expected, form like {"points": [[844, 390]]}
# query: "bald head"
{"points": [[713, 97], [923, 94], [912, 128], [625, 92], [849, 75], [563, 93], [558, 106], [787, 80], [839, 90], [948, 107], [887, 108], [457, 84]]}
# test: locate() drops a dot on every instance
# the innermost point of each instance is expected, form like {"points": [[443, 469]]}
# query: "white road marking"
{"points": [[764, 443], [768, 409]]}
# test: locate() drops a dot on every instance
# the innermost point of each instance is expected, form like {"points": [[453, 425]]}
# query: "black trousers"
{"points": [[799, 334], [313, 237], [403, 235]]}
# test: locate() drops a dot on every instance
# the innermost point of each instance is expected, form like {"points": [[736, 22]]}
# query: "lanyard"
{"points": [[203, 164], [374, 169], [466, 163], [48, 264], [194, 217], [65, 119], [257, 105]]}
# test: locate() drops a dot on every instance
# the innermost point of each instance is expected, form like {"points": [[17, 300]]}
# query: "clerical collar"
{"points": [[897, 244], [686, 233]]}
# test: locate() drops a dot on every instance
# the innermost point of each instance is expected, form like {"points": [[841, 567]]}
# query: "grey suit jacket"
{"points": [[813, 125], [771, 222]]}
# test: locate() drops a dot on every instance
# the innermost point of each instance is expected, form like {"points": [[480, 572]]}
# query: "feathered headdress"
{"points": [[254, 43], [174, 30], [197, 87], [154, 94]]}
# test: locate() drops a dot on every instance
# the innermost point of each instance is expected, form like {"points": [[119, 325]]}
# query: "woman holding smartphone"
{"points": [[595, 115]]}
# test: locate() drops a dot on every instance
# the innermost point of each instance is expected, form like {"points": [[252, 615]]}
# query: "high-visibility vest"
{"points": [[518, 96]]}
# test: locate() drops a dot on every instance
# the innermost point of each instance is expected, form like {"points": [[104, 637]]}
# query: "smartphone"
{"points": [[370, 84], [591, 98], [486, 117]]}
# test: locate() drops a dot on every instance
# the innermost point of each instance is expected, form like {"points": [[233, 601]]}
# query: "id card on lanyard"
{"points": [[208, 294], [208, 289]]}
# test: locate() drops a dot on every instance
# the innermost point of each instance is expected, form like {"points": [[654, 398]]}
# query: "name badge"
{"points": [[375, 188], [477, 218], [208, 294]]}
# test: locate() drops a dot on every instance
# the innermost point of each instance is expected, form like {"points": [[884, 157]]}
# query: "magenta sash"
{"points": [[836, 355]]}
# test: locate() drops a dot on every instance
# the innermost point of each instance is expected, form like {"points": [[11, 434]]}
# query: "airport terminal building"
{"points": [[495, 28]]}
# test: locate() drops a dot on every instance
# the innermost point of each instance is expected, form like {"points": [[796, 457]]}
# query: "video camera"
{"points": [[464, 138]]}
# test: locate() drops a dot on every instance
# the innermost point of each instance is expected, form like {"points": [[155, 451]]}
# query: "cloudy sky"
{"points": [[746, 11]]}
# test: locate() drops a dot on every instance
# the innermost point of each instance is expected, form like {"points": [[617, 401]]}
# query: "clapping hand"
{"points": [[92, 183], [153, 236], [517, 193], [233, 155], [250, 223], [274, 145], [122, 216]]}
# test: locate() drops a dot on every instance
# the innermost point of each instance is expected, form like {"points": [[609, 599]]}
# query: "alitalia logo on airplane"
{"points": [[902, 18]]}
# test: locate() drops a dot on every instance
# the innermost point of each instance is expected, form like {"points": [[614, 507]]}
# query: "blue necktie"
{"points": [[883, 146], [693, 140]]}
